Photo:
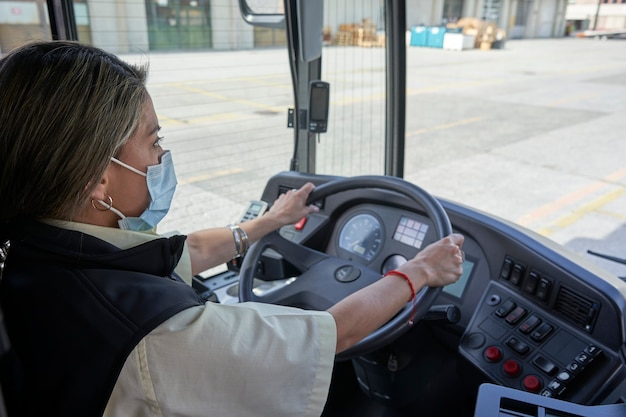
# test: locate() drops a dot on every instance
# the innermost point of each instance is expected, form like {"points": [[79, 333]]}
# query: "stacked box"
{"points": [[363, 34], [458, 41], [435, 36], [419, 36], [485, 33]]}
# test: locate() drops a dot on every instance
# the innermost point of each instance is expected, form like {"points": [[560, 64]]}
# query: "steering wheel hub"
{"points": [[347, 273]]}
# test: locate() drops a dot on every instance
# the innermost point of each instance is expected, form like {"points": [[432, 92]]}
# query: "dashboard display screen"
{"points": [[255, 208], [410, 232], [458, 287]]}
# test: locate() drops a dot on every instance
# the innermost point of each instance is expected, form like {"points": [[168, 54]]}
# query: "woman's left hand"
{"points": [[290, 207], [210, 247]]}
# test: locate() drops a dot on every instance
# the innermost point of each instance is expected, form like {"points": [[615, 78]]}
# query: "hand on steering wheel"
{"points": [[325, 279]]}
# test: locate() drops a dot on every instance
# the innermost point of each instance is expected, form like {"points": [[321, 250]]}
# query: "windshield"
{"points": [[531, 131]]}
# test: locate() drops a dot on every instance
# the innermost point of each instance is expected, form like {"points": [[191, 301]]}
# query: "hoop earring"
{"points": [[107, 206]]}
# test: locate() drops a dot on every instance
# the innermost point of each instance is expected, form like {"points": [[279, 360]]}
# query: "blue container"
{"points": [[435, 36], [419, 36]]}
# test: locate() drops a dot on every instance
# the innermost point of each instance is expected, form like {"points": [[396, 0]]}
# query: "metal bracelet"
{"points": [[245, 242], [237, 238]]}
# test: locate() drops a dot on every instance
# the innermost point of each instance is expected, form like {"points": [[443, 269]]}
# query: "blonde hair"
{"points": [[65, 109]]}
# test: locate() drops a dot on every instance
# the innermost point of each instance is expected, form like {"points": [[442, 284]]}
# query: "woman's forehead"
{"points": [[147, 127], [148, 120]]}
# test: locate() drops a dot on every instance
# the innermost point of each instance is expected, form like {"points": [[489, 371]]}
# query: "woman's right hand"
{"points": [[439, 264], [366, 310]]}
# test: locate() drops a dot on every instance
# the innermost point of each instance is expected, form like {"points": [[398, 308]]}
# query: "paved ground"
{"points": [[544, 138], [534, 133]]}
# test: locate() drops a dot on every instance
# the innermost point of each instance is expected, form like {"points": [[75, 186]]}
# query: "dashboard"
{"points": [[533, 317], [382, 238]]}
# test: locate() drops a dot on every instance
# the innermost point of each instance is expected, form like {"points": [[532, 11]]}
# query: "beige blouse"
{"points": [[240, 360]]}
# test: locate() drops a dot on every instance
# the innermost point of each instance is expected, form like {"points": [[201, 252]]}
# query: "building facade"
{"points": [[519, 18], [125, 26], [599, 15]]}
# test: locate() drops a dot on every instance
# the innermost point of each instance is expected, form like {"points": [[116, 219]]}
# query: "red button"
{"points": [[512, 368], [493, 354], [532, 383], [300, 225]]}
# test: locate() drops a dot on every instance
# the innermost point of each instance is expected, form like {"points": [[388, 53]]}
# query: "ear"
{"points": [[100, 191]]}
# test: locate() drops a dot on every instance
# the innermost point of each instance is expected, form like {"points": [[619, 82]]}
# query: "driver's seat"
{"points": [[5, 348], [5, 344]]}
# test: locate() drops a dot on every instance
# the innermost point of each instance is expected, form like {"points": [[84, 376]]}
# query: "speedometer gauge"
{"points": [[362, 235]]}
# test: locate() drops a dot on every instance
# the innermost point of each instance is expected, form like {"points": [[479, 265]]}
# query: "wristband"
{"points": [[245, 242], [237, 238], [242, 243], [413, 294]]}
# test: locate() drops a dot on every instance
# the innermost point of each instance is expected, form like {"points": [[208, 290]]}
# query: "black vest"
{"points": [[75, 307]]}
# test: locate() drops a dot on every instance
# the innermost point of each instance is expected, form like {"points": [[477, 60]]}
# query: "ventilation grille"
{"points": [[579, 310]]}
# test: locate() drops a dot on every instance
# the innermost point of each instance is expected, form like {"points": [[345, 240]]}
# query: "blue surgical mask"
{"points": [[161, 180]]}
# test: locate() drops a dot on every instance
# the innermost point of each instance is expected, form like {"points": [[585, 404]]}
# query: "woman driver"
{"points": [[99, 321]]}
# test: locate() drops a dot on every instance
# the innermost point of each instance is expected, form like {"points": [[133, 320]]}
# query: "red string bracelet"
{"points": [[413, 294]]}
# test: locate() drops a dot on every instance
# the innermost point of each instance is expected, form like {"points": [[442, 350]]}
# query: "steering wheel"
{"points": [[326, 279]]}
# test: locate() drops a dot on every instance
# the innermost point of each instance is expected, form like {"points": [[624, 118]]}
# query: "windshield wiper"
{"points": [[610, 258]]}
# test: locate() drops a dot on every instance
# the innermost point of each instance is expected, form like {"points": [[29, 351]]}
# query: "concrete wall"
{"points": [[228, 28], [423, 12], [337, 13], [119, 27]]}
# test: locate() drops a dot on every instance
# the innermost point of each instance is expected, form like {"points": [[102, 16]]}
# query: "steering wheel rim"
{"points": [[400, 323]]}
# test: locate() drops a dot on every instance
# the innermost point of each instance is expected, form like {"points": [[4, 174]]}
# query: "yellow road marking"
{"points": [[571, 99], [165, 120], [620, 216], [580, 212], [443, 127], [450, 86], [229, 99], [219, 117], [257, 79], [571, 198], [355, 100], [208, 176]]}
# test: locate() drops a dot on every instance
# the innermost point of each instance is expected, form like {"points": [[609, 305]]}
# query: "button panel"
{"points": [[493, 354], [545, 365], [529, 324], [531, 283], [535, 283], [537, 330], [532, 383], [512, 368], [524, 348]]}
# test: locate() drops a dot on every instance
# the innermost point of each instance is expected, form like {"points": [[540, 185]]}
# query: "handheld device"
{"points": [[319, 94], [254, 210]]}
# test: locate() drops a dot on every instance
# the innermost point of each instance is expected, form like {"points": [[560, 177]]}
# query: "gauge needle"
{"points": [[357, 243]]}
